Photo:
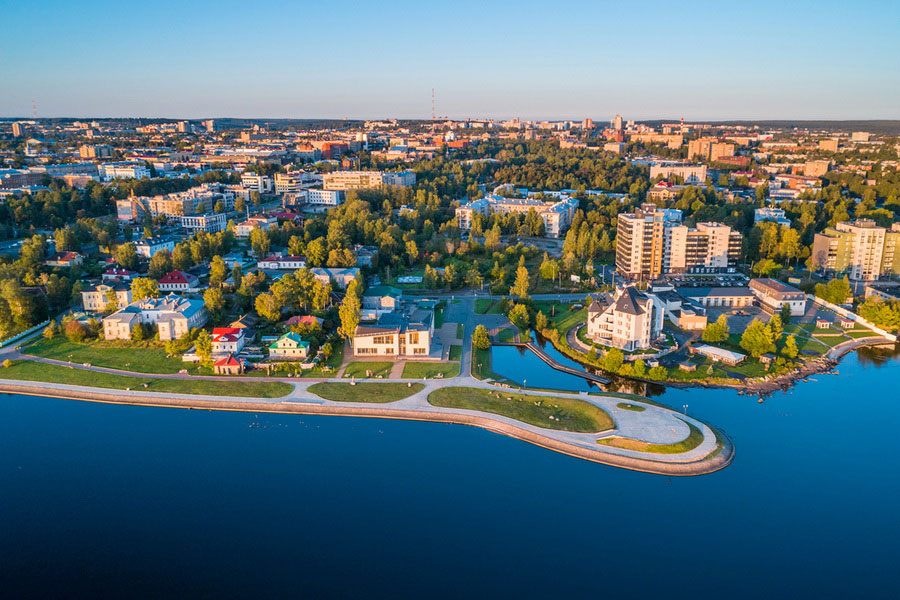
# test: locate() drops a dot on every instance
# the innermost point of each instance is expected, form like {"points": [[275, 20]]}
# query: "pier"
{"points": [[539, 352]]}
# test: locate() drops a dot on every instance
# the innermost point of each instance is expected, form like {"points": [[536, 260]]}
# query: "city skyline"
{"points": [[570, 61]]}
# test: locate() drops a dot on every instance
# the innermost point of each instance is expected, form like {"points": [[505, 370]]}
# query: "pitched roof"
{"points": [[228, 361], [177, 277], [630, 302]]}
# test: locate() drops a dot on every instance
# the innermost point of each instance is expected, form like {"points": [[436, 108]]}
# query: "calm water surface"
{"points": [[120, 501]]}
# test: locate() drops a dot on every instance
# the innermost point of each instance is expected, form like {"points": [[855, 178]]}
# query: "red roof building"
{"points": [[178, 281], [228, 365]]}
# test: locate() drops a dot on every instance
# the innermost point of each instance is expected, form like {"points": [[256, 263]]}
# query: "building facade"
{"points": [[628, 320], [860, 249]]}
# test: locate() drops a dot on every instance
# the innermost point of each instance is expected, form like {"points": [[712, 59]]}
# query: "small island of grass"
{"points": [[549, 412], [365, 391], [632, 407], [694, 439]]}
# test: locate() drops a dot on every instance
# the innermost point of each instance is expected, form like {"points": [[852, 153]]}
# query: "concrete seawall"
{"points": [[714, 462]]}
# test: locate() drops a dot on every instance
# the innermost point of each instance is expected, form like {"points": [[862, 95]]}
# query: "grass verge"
{"points": [[420, 370], [140, 357], [34, 371], [549, 412], [362, 369], [694, 439], [378, 393]]}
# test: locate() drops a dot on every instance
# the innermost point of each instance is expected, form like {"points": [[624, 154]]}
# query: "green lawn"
{"points": [[455, 352], [507, 335], [632, 407], [561, 315], [418, 370], [568, 414], [359, 369], [439, 315], [460, 328], [482, 305], [34, 371], [365, 391], [694, 439], [861, 333], [118, 354]]}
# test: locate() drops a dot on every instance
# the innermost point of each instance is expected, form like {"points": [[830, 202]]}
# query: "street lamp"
{"points": [[685, 406]]}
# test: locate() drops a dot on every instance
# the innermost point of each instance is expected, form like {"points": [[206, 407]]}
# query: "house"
{"points": [[282, 263], [716, 354], [117, 273], [380, 299], [246, 322], [95, 297], [173, 316], [290, 346], [243, 229], [178, 281], [773, 294], [305, 320], [628, 320], [228, 365], [147, 247], [64, 259], [364, 255], [341, 277], [396, 334], [227, 340]]}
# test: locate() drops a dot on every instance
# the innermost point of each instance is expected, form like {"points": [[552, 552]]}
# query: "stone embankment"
{"points": [[715, 461]]}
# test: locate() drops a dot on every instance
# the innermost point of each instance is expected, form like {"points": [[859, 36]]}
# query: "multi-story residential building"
{"points": [[861, 249], [816, 168], [340, 277], [628, 320], [198, 199], [556, 215], [773, 294], [110, 171], [651, 242], [709, 149], [173, 316], [396, 334], [95, 151], [243, 229], [282, 263], [257, 183], [210, 223], [690, 174], [318, 198], [96, 297], [290, 346], [178, 281], [147, 247], [829, 145], [356, 180], [664, 192], [295, 181]]}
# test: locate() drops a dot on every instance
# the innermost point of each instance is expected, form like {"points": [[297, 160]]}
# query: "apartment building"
{"points": [[324, 198], [690, 174], [110, 171], [95, 297], [860, 249], [210, 223], [178, 281], [243, 229], [96, 151], [651, 242], [709, 149], [257, 183], [198, 199], [556, 215], [628, 320], [173, 316], [356, 180]]}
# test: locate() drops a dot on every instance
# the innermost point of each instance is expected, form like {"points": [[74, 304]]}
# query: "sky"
{"points": [[555, 59]]}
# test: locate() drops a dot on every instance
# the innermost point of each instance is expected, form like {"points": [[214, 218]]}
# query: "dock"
{"points": [[539, 352]]}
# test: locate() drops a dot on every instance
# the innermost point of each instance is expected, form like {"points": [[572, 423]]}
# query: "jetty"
{"points": [[539, 352]]}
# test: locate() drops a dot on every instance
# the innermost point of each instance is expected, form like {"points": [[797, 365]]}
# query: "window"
{"points": [[382, 339]]}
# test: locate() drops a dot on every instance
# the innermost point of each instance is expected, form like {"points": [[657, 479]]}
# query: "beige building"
{"points": [[709, 245], [356, 180], [396, 334], [290, 346], [96, 297], [629, 320], [709, 149], [816, 168], [556, 215], [829, 145], [773, 294], [690, 174], [173, 316]]}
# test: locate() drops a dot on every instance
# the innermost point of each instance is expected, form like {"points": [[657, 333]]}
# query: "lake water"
{"points": [[120, 501]]}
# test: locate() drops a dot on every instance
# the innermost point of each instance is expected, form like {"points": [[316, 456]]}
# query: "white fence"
{"points": [[852, 316], [19, 336]]}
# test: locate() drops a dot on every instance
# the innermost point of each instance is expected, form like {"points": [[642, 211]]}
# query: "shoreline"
{"points": [[716, 461]]}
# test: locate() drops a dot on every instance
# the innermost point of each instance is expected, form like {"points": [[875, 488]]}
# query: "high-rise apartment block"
{"points": [[860, 249], [358, 180], [651, 242]]}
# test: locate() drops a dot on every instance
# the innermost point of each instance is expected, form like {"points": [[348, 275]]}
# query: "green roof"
{"points": [[383, 290], [290, 336]]}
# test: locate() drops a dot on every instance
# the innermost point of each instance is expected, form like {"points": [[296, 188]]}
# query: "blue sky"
{"points": [[561, 59]]}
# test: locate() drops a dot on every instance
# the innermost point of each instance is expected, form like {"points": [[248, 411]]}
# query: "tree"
{"points": [[160, 264], [640, 368], [348, 311], [785, 313], [480, 338], [541, 322], [214, 300], [327, 350], [76, 331], [239, 204], [181, 257], [520, 287], [138, 333], [657, 373], [717, 331], [203, 345], [260, 242], [776, 328], [142, 287], [268, 306], [218, 271], [519, 316], [126, 256], [316, 252], [790, 349], [51, 330], [549, 268], [757, 339], [765, 267], [612, 360]]}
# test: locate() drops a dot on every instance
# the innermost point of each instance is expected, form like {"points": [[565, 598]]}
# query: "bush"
{"points": [[75, 331], [7, 363]]}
